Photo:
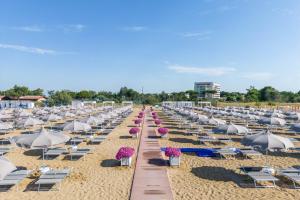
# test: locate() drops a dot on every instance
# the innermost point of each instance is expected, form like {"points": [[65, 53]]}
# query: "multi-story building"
{"points": [[208, 90]]}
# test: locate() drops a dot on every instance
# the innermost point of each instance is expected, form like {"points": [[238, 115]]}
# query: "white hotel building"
{"points": [[207, 90]]}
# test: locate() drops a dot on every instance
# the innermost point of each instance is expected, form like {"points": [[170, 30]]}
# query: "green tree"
{"points": [[59, 98], [269, 93], [252, 94]]}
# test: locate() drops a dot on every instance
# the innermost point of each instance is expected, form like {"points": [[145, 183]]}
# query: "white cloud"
{"points": [[33, 50], [258, 76], [29, 28], [200, 35], [134, 28], [225, 8], [218, 10], [208, 71], [284, 11], [72, 27]]}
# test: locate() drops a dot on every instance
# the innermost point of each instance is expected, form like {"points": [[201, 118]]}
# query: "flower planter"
{"points": [[174, 161], [124, 155], [126, 161], [164, 135], [135, 135]]}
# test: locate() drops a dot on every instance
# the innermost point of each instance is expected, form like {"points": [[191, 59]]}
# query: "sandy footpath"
{"points": [[96, 177], [213, 178]]}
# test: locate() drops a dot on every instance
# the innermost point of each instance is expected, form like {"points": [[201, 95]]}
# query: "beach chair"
{"points": [[107, 131], [226, 153], [97, 139], [76, 140], [51, 178], [4, 150], [292, 174], [204, 139], [82, 152], [262, 177], [14, 178], [55, 152], [250, 153]]}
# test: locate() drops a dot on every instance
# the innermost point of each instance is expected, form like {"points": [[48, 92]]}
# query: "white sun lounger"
{"points": [[52, 177], [14, 178], [55, 152], [262, 177], [98, 139], [248, 153], [80, 153], [226, 152]]}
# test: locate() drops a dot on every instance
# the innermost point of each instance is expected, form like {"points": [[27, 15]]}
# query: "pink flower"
{"points": [[157, 122], [137, 121], [154, 117], [124, 152], [163, 131], [154, 113], [172, 152], [134, 130]]}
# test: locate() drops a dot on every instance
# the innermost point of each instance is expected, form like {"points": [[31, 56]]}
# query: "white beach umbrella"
{"points": [[232, 129], [41, 139], [6, 126], [76, 126], [68, 115], [5, 167], [215, 121], [53, 118], [92, 120], [6, 116], [267, 141], [29, 122], [273, 121], [24, 114]]}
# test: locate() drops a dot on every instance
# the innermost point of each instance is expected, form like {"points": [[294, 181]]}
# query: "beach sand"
{"points": [[214, 178], [99, 176]]}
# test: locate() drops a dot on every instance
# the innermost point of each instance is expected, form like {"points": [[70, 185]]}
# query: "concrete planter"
{"points": [[135, 135], [174, 161], [126, 161]]}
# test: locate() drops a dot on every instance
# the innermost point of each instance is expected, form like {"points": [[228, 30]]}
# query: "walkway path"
{"points": [[150, 180]]}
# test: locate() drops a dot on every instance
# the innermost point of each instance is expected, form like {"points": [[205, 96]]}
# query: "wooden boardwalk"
{"points": [[150, 180]]}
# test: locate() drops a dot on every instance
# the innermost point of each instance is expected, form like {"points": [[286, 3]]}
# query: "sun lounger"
{"points": [[76, 140], [4, 150], [262, 177], [226, 152], [293, 174], [250, 153], [82, 152], [204, 139], [224, 140], [5, 141], [52, 177], [294, 177], [14, 178], [55, 152], [98, 139], [106, 131]]}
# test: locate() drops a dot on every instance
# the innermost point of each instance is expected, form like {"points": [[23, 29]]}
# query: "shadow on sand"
{"points": [[184, 140], [219, 174], [157, 162], [110, 163]]}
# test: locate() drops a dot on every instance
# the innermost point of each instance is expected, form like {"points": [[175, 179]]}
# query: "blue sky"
{"points": [[156, 44]]}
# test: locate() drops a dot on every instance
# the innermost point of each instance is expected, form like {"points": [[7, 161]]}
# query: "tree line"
{"points": [[65, 97], [266, 94]]}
